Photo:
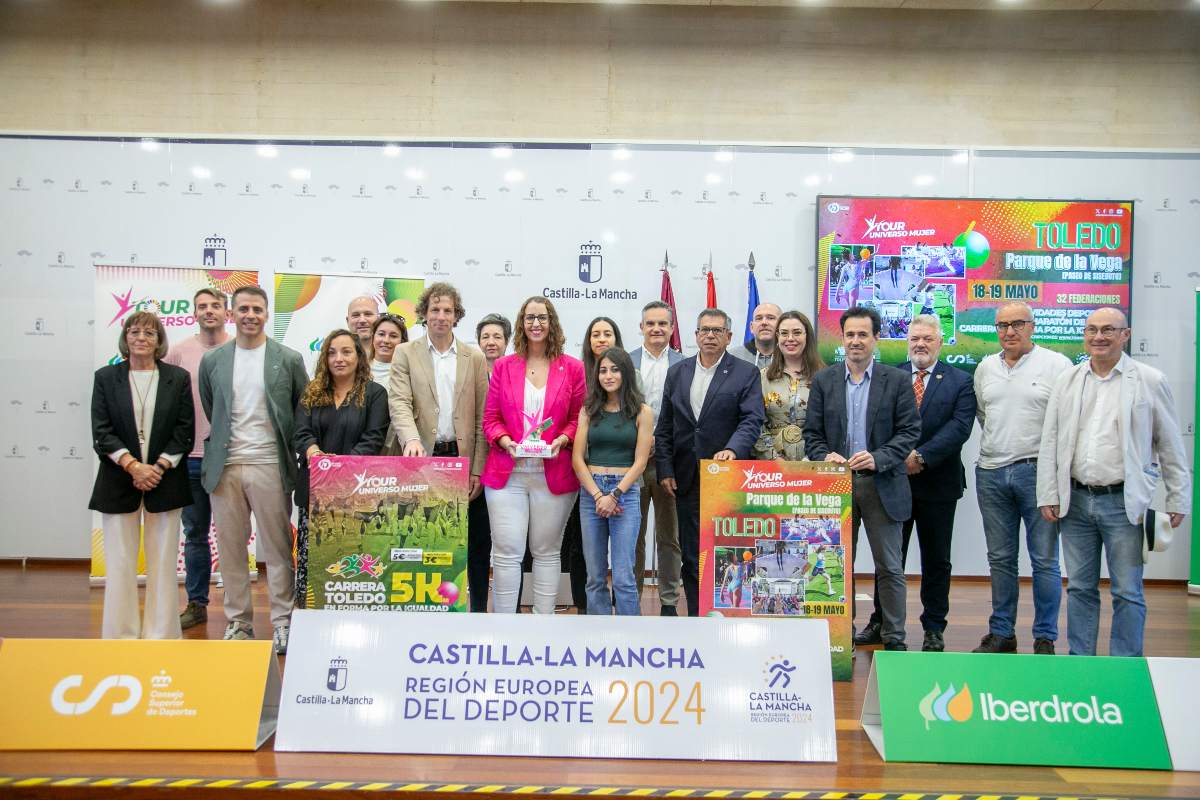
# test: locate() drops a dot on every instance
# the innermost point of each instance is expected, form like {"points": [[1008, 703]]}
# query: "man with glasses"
{"points": [[712, 407], [1111, 433], [1012, 388], [864, 415]]}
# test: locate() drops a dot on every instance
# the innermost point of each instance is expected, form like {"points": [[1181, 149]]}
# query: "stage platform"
{"points": [[55, 601]]}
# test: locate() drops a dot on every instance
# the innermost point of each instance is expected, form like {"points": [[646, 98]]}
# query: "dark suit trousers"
{"points": [[934, 521], [479, 553], [884, 535], [687, 508]]}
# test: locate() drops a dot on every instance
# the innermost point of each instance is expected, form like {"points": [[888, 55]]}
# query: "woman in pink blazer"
{"points": [[529, 499]]}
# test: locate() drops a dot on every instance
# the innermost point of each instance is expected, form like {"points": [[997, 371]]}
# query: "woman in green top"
{"points": [[785, 383], [612, 448]]}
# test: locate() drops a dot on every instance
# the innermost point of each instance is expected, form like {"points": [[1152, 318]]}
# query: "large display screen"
{"points": [[959, 259]]}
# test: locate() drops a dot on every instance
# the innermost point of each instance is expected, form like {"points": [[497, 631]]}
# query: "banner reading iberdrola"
{"points": [[775, 542], [388, 533]]}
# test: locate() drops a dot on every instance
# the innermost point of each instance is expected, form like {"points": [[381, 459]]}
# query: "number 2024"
{"points": [[642, 698]]}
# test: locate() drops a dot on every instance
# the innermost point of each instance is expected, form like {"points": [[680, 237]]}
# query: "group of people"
{"points": [[221, 428]]}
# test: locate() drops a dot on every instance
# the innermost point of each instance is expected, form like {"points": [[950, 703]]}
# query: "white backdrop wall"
{"points": [[501, 223]]}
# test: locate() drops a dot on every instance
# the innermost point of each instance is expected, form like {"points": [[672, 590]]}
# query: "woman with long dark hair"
{"points": [[602, 333], [535, 395], [342, 412], [785, 384], [616, 436], [142, 429]]}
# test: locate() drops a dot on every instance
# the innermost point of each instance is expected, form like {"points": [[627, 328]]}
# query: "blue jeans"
{"points": [[197, 558], [1092, 521], [618, 533], [1008, 495]]}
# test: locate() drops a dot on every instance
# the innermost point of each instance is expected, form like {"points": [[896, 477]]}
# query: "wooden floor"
{"points": [[55, 601]]}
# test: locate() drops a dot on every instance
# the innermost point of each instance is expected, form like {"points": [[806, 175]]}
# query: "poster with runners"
{"points": [[775, 541]]}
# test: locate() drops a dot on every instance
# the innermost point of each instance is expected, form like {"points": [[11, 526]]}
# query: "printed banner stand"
{"points": [[108, 694], [1020, 709], [608, 687]]}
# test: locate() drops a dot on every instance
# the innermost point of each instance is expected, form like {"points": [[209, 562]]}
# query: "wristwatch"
{"points": [[920, 458], [616, 493]]}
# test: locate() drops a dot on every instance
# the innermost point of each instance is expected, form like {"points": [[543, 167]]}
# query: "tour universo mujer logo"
{"points": [[950, 705]]}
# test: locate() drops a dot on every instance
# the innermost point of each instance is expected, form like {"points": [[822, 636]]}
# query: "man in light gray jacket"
{"points": [[1111, 433], [249, 388]]}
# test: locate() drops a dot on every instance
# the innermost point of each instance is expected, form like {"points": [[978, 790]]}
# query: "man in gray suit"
{"points": [[652, 360], [864, 415], [249, 388]]}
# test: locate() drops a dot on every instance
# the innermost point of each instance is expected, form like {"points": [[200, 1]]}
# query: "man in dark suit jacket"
{"points": [[946, 401], [712, 407], [863, 415]]}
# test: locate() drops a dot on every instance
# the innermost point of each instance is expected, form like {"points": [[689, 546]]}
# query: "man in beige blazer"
{"points": [[439, 385]]}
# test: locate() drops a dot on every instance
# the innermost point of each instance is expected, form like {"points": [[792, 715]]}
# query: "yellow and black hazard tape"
{"points": [[285, 784]]}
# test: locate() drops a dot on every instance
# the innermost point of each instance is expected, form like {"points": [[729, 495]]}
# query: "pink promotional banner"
{"points": [[387, 533]]}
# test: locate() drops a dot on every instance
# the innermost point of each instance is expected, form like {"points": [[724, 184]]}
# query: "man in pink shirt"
{"points": [[210, 306]]}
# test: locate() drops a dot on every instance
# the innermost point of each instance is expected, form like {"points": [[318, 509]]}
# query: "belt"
{"points": [[445, 449], [1114, 488], [1024, 461]]}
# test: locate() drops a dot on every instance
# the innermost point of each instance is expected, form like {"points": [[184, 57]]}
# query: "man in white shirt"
{"points": [[249, 388], [1111, 432], [763, 322], [210, 307], [1012, 388], [652, 360], [360, 318]]}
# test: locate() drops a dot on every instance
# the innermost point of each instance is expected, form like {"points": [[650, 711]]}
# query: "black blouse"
{"points": [[348, 430]]}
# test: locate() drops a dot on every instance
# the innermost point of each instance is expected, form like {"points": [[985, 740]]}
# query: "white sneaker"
{"points": [[281, 639], [238, 631]]}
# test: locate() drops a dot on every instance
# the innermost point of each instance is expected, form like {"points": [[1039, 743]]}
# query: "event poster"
{"points": [[308, 307], [959, 259], [775, 541], [124, 289], [387, 533]]}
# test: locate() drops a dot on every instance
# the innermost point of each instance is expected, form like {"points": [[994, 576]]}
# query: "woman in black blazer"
{"points": [[142, 429], [343, 412]]}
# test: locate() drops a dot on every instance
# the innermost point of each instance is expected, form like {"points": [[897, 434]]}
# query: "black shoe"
{"points": [[934, 643], [895, 646], [996, 644], [1043, 647], [869, 634], [668, 611]]}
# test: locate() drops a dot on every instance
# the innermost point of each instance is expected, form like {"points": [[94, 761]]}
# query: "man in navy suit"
{"points": [[946, 401], [864, 415], [712, 407]]}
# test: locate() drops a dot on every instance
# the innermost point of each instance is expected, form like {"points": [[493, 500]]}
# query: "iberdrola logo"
{"points": [[950, 705]]}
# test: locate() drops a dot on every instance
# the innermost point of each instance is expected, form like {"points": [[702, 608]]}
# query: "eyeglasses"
{"points": [[138, 333], [1016, 325], [1107, 330], [542, 318], [711, 331], [391, 318]]}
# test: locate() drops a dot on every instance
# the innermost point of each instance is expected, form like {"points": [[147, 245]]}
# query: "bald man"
{"points": [[360, 317], [1111, 434], [763, 322]]}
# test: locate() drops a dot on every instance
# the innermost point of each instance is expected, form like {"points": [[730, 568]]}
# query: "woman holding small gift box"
{"points": [[530, 421]]}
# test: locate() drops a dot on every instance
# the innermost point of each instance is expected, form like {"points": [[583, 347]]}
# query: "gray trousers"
{"points": [[666, 538], [884, 535]]}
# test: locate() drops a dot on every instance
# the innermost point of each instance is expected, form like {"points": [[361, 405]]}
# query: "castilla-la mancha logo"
{"points": [[591, 263]]}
